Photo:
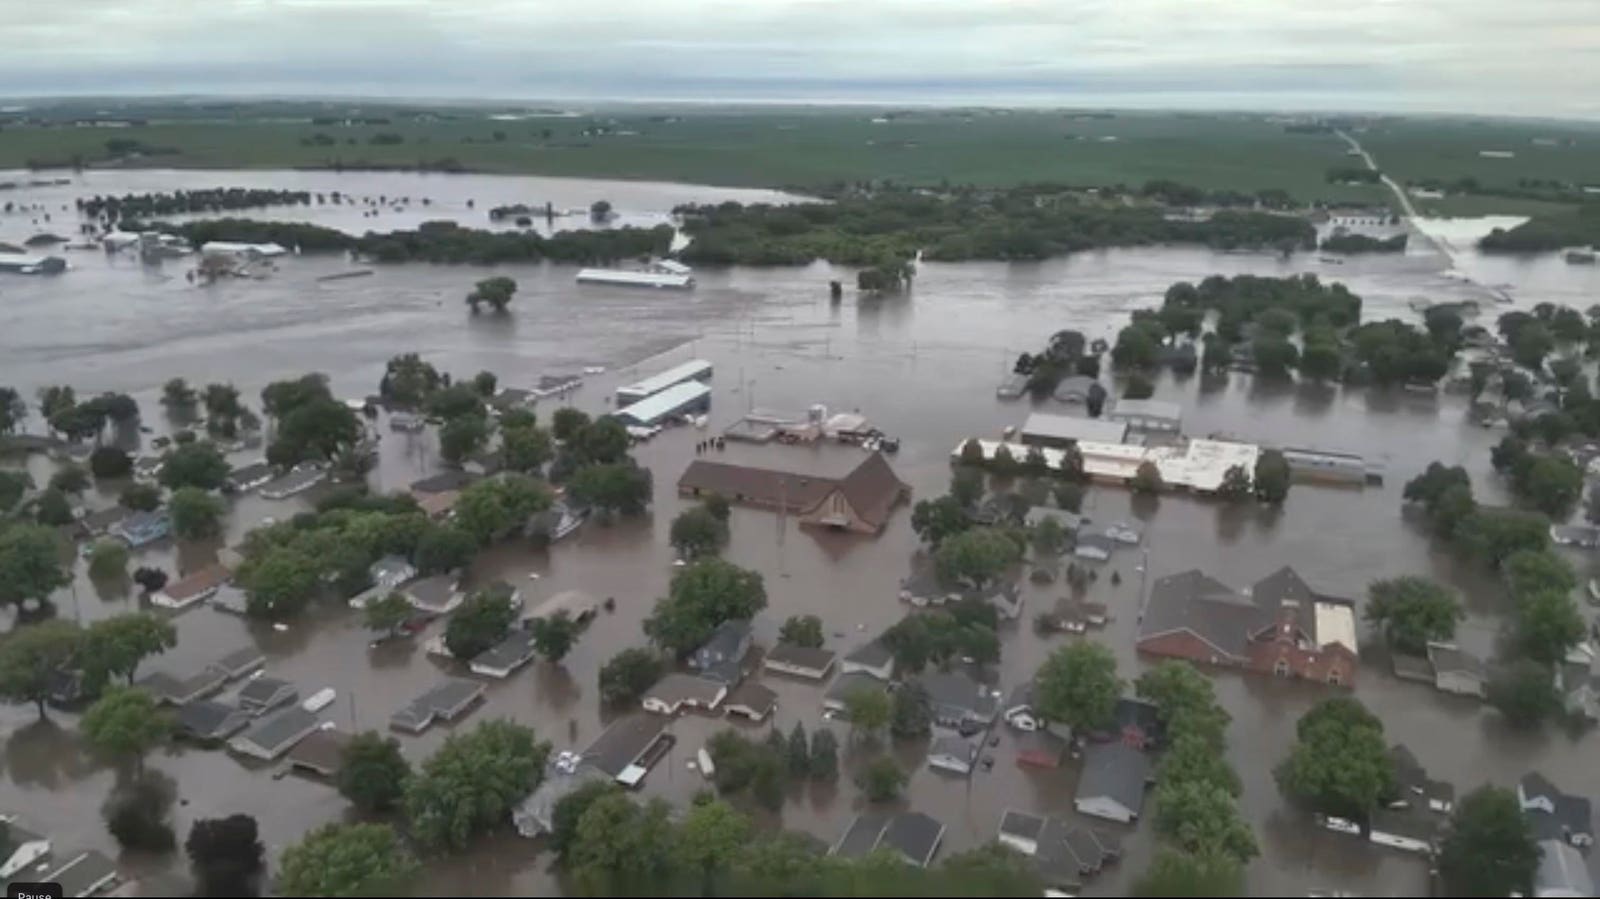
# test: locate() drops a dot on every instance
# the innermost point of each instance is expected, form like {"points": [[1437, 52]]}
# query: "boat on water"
{"points": [[663, 273], [1580, 257]]}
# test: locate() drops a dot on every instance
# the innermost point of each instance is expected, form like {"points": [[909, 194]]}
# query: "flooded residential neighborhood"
{"points": [[919, 369]]}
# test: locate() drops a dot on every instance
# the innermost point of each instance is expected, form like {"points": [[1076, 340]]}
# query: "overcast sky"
{"points": [[1483, 56]]}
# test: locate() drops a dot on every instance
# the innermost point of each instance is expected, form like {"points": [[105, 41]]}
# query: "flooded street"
{"points": [[922, 368]]}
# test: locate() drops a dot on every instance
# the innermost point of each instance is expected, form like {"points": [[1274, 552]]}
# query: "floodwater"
{"points": [[921, 367]]}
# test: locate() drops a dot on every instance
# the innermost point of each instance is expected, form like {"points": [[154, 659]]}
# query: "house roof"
{"points": [[1416, 824], [1140, 714], [915, 835], [265, 691], [814, 659], [322, 751], [1114, 771], [443, 481], [435, 504], [1043, 742], [726, 639], [850, 682], [1561, 871], [1196, 602], [1449, 659], [1072, 427], [432, 592], [196, 583], [678, 687], [275, 732], [1074, 385], [624, 741], [872, 489], [178, 690], [209, 719], [753, 696], [13, 835], [1070, 521], [241, 660], [516, 648], [958, 691], [873, 654], [1021, 825], [765, 486], [954, 747], [1148, 408], [390, 567], [862, 836], [245, 474]]}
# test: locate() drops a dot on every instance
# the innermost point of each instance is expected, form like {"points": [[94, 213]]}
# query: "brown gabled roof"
{"points": [[436, 504], [872, 490], [762, 486], [207, 578]]}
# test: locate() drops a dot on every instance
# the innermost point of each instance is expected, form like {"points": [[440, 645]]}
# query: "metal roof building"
{"points": [[690, 396], [693, 370], [1043, 429]]}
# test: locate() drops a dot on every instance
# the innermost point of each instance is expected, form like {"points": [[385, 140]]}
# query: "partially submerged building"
{"points": [[682, 399], [861, 501], [799, 661], [447, 701], [912, 836], [1112, 782], [1042, 429], [276, 734], [627, 749], [191, 588], [677, 690]]}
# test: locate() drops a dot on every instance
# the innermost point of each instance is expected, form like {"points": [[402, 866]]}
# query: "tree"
{"points": [[936, 519], [1531, 344], [801, 630], [1185, 700], [13, 484], [385, 615], [1340, 763], [798, 754], [867, 710], [483, 620], [622, 848], [194, 465], [1236, 484], [567, 422], [472, 782], [710, 838], [109, 462], [140, 497], [1201, 817], [346, 860], [1496, 534], [149, 579], [1320, 360], [1194, 758], [601, 442], [696, 533], [977, 556], [1274, 355], [108, 560], [53, 509], [910, 716], [178, 396], [882, 779], [600, 210], [1078, 686], [462, 436], [280, 398], [13, 410], [1524, 692], [966, 486], [407, 381], [444, 547], [718, 506], [972, 453], [1271, 477], [1553, 485], [491, 508], [622, 488], [1489, 848], [525, 449], [1139, 387], [625, 677], [1049, 536], [1412, 611], [196, 514], [125, 722], [1147, 479], [226, 855], [138, 814], [116, 645], [824, 755], [280, 583], [318, 429], [373, 773], [30, 564], [1531, 571], [54, 400], [1176, 873], [569, 810], [553, 636], [496, 291], [1069, 496], [70, 478], [1548, 625], [702, 596]]}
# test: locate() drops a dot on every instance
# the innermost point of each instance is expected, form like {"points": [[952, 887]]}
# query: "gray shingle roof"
{"points": [[874, 654], [817, 659], [1114, 771], [1021, 825], [1561, 871], [954, 693], [915, 835], [1196, 602], [622, 742], [277, 732], [212, 720]]}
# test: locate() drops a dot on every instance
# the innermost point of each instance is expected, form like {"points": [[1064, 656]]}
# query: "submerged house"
{"points": [[1280, 626], [860, 502]]}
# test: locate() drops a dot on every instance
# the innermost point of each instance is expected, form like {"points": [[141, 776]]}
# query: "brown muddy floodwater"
{"points": [[922, 367]]}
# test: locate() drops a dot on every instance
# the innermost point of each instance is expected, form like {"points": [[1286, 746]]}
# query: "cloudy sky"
{"points": [[1531, 57]]}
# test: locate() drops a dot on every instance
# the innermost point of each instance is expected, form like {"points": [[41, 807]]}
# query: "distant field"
{"points": [[803, 148], [812, 148], [1412, 150]]}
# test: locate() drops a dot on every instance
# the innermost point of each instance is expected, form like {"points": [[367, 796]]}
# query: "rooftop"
{"points": [[678, 688], [1070, 427], [322, 752], [1150, 408], [694, 368], [275, 733], [652, 408], [624, 741], [212, 720], [812, 659], [1114, 771]]}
